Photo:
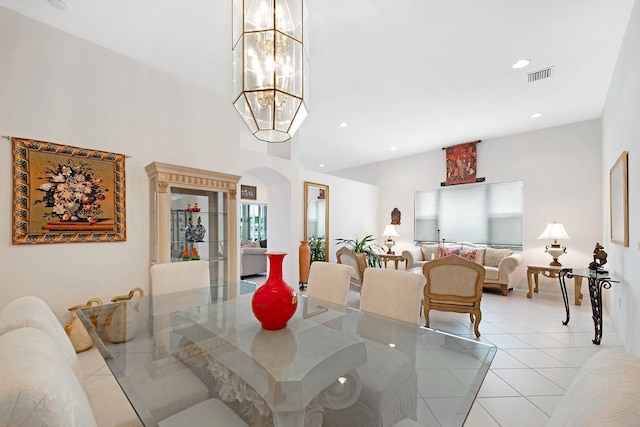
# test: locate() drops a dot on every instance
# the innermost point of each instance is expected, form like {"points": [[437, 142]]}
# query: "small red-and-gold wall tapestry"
{"points": [[461, 163]]}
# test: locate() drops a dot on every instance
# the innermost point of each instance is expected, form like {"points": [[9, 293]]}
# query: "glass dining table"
{"points": [[330, 366]]}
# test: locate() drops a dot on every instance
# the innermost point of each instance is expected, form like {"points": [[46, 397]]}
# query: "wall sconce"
{"points": [[555, 231], [389, 231], [270, 66]]}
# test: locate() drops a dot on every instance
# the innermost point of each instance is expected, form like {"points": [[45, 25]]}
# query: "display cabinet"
{"points": [[193, 216]]}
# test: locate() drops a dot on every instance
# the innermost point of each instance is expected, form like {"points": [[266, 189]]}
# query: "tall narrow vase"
{"points": [[304, 259], [275, 302]]}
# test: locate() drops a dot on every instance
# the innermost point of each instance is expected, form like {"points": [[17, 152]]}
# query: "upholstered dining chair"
{"points": [[179, 276], [172, 277], [454, 284], [392, 293], [329, 282], [389, 379], [357, 261]]}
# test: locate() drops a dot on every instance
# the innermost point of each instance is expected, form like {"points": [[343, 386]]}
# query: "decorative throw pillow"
{"points": [[449, 251], [430, 252], [480, 256], [470, 254], [492, 257]]}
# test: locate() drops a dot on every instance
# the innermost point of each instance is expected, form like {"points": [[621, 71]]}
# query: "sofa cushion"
{"points": [[38, 387], [445, 251], [492, 257], [603, 393], [31, 311], [480, 255], [430, 252], [491, 274], [470, 254]]}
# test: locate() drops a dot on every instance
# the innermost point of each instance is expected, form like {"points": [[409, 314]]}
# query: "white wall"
{"points": [[620, 132], [560, 169], [58, 88], [352, 208]]}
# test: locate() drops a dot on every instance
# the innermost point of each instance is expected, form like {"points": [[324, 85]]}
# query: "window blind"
{"points": [[488, 214]]}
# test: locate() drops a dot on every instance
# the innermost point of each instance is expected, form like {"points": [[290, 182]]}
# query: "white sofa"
{"points": [[43, 379], [253, 260], [605, 392], [499, 264], [43, 383]]}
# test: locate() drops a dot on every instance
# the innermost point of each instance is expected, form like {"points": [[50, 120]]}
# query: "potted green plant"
{"points": [[316, 244], [364, 246]]}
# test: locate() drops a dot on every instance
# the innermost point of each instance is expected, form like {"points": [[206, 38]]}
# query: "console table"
{"points": [[551, 272], [597, 281]]}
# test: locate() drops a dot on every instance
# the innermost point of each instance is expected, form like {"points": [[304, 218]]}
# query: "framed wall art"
{"points": [[461, 164], [248, 192], [619, 201], [66, 194]]}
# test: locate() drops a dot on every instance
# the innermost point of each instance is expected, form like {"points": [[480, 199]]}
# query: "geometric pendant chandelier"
{"points": [[270, 66]]}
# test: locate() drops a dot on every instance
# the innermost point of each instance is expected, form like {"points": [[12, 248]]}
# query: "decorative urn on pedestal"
{"points": [[275, 302]]}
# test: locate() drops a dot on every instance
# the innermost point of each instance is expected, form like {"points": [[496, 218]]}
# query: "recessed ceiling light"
{"points": [[536, 115], [521, 63], [321, 165], [393, 148], [58, 4], [343, 125]]}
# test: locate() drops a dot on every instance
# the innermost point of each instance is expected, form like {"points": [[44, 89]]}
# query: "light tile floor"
{"points": [[537, 356]]}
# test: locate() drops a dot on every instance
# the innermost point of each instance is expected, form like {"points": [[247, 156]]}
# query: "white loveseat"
{"points": [[499, 264]]}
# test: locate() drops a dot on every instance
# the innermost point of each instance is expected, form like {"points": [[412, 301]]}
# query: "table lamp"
{"points": [[389, 231], [555, 231]]}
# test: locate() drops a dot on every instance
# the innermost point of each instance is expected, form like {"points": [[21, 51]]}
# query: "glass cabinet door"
{"points": [[198, 228], [193, 217]]}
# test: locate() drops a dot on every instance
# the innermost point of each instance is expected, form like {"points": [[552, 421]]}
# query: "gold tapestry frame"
{"points": [[65, 194]]}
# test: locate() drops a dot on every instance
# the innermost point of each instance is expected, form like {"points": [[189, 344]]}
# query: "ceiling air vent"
{"points": [[545, 73]]}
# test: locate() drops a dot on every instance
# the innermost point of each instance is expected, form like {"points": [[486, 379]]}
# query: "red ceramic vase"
{"points": [[275, 302]]}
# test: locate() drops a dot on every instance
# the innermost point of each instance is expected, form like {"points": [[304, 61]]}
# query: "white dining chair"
{"points": [[179, 285], [329, 282], [389, 379], [174, 287], [179, 276], [392, 293]]}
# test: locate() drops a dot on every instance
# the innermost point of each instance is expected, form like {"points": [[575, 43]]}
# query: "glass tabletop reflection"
{"points": [[330, 366]]}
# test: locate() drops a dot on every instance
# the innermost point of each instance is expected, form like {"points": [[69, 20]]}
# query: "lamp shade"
{"points": [[390, 231], [554, 231]]}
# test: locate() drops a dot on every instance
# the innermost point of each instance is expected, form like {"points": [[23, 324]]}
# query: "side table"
{"points": [[598, 280], [551, 272], [393, 257]]}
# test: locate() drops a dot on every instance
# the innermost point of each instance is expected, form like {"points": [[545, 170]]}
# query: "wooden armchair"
{"points": [[356, 260], [454, 284]]}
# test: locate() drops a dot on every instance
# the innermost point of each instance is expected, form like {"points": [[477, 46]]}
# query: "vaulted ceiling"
{"points": [[407, 76]]}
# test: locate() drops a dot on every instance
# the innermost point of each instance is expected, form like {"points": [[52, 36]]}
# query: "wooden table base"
{"points": [[551, 272]]}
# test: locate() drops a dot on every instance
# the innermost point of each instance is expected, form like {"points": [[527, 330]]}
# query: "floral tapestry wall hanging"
{"points": [[66, 194], [461, 163]]}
